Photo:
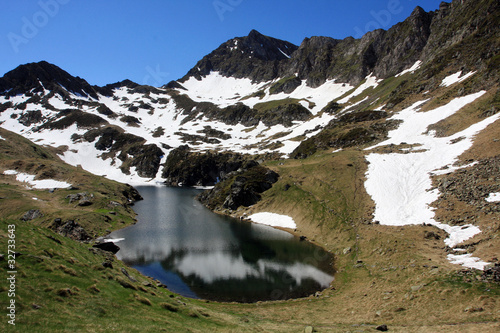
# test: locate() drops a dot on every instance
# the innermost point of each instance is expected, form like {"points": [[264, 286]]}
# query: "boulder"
{"points": [[107, 246], [70, 229], [31, 215]]}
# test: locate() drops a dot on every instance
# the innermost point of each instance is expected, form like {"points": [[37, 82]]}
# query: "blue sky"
{"points": [[156, 41]]}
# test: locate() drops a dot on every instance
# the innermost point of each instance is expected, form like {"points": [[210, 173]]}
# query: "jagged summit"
{"points": [[254, 56], [266, 48], [383, 53], [39, 76]]}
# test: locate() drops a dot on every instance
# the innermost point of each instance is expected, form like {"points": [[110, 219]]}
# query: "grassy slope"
{"points": [[391, 275]]}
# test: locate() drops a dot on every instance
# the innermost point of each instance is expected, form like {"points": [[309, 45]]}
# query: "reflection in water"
{"points": [[197, 253]]}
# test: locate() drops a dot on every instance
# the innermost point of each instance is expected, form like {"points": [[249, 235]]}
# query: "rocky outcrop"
{"points": [[471, 186], [31, 215], [130, 149], [31, 117], [240, 188], [352, 129], [272, 113], [107, 246], [187, 168], [70, 229], [83, 199]]}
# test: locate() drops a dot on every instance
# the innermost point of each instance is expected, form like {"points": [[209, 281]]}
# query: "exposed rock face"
{"points": [[268, 113], [240, 188], [35, 77], [187, 168], [492, 273], [31, 117], [351, 129], [66, 118], [131, 148], [383, 53], [255, 56], [422, 36], [131, 194], [470, 186]]}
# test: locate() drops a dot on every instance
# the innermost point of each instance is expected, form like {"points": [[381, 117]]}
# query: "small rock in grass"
{"points": [[382, 328]]}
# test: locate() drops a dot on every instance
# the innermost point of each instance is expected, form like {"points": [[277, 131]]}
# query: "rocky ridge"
{"points": [[422, 36]]}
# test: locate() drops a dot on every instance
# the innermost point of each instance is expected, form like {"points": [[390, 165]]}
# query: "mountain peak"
{"points": [[418, 11], [39, 76], [253, 56], [254, 34]]}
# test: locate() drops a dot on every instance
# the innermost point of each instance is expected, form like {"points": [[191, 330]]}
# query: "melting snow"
{"points": [[370, 81], [467, 260], [273, 220], [455, 78], [37, 184], [400, 184], [412, 69], [493, 197]]}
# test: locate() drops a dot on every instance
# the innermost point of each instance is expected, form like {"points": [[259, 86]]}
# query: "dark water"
{"points": [[199, 254]]}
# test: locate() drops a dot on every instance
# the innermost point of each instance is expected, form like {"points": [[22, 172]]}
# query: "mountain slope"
{"points": [[386, 147], [254, 94]]}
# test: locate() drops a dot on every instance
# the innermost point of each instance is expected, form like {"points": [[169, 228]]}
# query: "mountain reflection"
{"points": [[216, 257]]}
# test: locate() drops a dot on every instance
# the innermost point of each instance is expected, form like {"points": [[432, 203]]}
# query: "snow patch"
{"points": [[412, 69], [467, 260], [455, 78], [493, 197], [370, 81], [218, 89], [36, 184], [273, 220], [400, 184], [286, 55]]}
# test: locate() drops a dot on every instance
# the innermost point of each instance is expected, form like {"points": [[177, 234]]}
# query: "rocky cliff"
{"points": [[422, 36]]}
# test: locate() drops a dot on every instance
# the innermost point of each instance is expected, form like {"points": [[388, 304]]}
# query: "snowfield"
{"points": [[215, 88], [400, 184]]}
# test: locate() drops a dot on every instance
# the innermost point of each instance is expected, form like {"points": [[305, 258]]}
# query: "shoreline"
{"points": [[293, 232]]}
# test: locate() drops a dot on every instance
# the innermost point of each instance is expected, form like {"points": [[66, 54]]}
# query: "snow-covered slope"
{"points": [[154, 115], [400, 183]]}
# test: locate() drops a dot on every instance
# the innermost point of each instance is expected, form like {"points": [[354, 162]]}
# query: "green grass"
{"points": [[266, 106], [73, 291]]}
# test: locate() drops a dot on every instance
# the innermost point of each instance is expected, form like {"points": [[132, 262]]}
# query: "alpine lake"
{"points": [[199, 254]]}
